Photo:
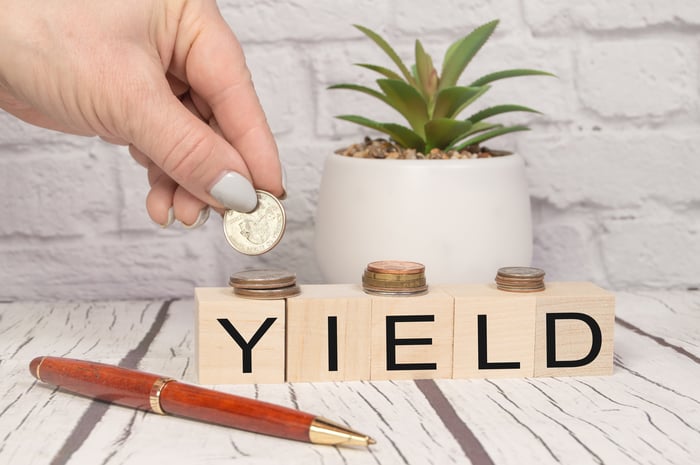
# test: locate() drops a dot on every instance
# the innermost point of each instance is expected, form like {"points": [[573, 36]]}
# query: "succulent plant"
{"points": [[432, 102]]}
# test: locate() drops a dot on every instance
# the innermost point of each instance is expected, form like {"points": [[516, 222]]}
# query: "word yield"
{"points": [[339, 333]]}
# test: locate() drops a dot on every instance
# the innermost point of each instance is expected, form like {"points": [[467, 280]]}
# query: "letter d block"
{"points": [[574, 330], [494, 332], [328, 334], [412, 336], [238, 340]]}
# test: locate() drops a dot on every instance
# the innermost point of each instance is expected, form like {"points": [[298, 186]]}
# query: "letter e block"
{"points": [[238, 340], [412, 336], [574, 330], [328, 334], [494, 332]]}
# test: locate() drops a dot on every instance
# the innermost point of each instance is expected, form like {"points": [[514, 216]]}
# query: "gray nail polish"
{"points": [[284, 184], [171, 218], [201, 219], [235, 192]]}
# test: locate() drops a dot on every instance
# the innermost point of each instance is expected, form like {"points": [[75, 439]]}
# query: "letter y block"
{"points": [[238, 340]]}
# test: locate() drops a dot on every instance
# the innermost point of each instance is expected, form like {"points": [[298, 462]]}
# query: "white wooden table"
{"points": [[647, 412]]}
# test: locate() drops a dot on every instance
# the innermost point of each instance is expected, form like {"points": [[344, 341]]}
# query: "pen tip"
{"points": [[323, 431]]}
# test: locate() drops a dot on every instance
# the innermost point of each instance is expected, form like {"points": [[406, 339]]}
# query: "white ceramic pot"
{"points": [[463, 219]]}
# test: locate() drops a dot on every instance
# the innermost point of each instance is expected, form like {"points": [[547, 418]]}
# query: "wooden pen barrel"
{"points": [[96, 380], [234, 411], [136, 389]]}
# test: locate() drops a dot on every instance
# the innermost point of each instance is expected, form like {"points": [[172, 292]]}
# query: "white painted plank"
{"points": [[103, 331], [673, 316], [647, 412], [29, 410]]}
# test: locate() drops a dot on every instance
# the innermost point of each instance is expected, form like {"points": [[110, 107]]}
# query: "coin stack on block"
{"points": [[394, 278], [258, 231], [520, 279], [264, 284]]}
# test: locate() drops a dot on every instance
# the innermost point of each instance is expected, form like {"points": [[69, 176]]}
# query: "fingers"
{"points": [[215, 69], [191, 211], [159, 201], [219, 169], [190, 152], [166, 201]]}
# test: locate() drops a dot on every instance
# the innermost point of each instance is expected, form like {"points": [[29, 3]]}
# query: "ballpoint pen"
{"points": [[145, 391]]}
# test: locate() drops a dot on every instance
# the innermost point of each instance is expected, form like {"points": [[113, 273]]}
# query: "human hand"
{"points": [[166, 77]]}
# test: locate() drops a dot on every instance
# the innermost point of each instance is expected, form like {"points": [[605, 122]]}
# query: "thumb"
{"points": [[190, 152]]}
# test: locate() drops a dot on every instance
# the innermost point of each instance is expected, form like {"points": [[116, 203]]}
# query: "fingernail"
{"points": [[235, 192], [284, 184], [171, 218], [201, 219]]}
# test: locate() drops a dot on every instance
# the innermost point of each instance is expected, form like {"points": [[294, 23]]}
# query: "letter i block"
{"points": [[574, 332], [328, 334], [238, 340], [494, 332], [412, 336]]}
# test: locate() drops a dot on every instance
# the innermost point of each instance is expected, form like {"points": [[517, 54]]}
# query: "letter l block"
{"points": [[494, 332]]}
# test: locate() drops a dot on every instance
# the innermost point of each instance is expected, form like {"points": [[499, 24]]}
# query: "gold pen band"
{"points": [[154, 396], [38, 367]]}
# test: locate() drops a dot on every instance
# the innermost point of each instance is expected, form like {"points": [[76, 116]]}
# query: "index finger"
{"points": [[216, 70]]}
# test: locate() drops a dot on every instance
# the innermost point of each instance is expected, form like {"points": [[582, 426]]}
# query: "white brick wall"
{"points": [[613, 165]]}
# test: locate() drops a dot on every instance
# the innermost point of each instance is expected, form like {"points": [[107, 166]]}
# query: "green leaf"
{"points": [[482, 126], [461, 53], [475, 129], [509, 74], [451, 101], [497, 110], [388, 50], [442, 132], [401, 134], [404, 136], [363, 89], [426, 75], [407, 101], [381, 70], [490, 135]]}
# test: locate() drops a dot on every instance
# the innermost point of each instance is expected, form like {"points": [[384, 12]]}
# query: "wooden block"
{"points": [[494, 332], [412, 336], [328, 334], [574, 330], [238, 340]]}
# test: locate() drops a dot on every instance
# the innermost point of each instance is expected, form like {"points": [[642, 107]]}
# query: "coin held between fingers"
{"points": [[258, 231]]}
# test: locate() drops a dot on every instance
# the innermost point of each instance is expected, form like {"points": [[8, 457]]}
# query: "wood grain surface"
{"points": [[647, 412]]}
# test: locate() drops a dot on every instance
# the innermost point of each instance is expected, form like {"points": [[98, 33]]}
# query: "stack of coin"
{"points": [[394, 277], [264, 284], [520, 279]]}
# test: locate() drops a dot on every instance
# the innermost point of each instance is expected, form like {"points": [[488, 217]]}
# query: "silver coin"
{"points": [[520, 272], [394, 293], [256, 232], [520, 279], [268, 294], [262, 279]]}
